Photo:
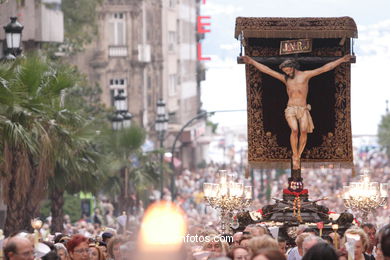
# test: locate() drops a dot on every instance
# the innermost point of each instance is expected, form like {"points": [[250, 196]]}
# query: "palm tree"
{"points": [[30, 98], [77, 169], [78, 162], [123, 153]]}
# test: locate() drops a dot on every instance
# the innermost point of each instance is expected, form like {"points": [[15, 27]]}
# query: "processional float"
{"points": [[312, 42]]}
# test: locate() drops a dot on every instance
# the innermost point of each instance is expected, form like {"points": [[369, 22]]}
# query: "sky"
{"points": [[224, 87]]}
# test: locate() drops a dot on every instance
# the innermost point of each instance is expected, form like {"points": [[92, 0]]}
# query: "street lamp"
{"points": [[13, 35], [122, 120], [161, 127], [120, 102], [117, 122], [127, 119]]}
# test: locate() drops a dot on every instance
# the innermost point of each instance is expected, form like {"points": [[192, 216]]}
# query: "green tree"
{"points": [[79, 164], [30, 105], [125, 157]]}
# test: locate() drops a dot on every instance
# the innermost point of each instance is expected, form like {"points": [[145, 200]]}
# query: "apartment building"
{"points": [[147, 50]]}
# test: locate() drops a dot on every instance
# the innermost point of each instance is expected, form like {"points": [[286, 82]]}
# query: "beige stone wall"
{"points": [[41, 24]]}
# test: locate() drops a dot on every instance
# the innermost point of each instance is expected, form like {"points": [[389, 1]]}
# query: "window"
{"points": [[172, 3], [150, 103], [149, 82], [178, 30], [172, 84], [117, 29], [117, 85], [171, 40]]}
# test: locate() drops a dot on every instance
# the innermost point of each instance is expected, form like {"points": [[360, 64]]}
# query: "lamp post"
{"points": [[13, 36], [161, 128], [122, 120]]}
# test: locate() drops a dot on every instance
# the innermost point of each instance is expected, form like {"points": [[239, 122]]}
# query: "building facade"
{"points": [[147, 50], [43, 22]]}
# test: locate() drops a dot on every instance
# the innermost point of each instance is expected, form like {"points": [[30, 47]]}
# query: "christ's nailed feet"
{"points": [[296, 162]]}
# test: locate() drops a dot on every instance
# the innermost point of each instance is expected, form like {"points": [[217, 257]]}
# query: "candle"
{"points": [[248, 192], [207, 189], [162, 232], [335, 227]]}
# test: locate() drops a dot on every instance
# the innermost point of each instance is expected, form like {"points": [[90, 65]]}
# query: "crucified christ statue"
{"points": [[297, 112]]}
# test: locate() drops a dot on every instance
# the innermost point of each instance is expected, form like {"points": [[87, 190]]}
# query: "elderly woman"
{"points": [[262, 242], [360, 244], [61, 251], [215, 246], [77, 247]]}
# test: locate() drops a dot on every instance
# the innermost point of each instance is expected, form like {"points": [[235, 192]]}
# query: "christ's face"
{"points": [[289, 71]]}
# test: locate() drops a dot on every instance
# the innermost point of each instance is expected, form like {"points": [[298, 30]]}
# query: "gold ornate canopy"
{"points": [[277, 27], [329, 93]]}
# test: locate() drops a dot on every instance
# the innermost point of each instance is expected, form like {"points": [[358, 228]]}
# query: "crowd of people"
{"points": [[255, 242], [105, 236]]}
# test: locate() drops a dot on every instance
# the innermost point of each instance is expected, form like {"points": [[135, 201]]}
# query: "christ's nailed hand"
{"points": [[247, 59], [347, 58]]}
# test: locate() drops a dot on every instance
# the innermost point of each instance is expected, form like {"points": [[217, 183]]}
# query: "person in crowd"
{"points": [[97, 218], [77, 247], [269, 254], [301, 228], [261, 242], [95, 253], [113, 247], [256, 230], [245, 239], [360, 244], [216, 247], [321, 251], [238, 253], [282, 245], [385, 242], [236, 238], [378, 250], [311, 231], [106, 236], [61, 251], [309, 242], [18, 248], [58, 237], [370, 230], [52, 255], [103, 248], [296, 253]]}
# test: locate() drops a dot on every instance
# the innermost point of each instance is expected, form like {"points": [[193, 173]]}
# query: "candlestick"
{"points": [[335, 227]]}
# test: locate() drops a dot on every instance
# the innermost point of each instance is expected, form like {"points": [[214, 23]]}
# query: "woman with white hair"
{"points": [[61, 251]]}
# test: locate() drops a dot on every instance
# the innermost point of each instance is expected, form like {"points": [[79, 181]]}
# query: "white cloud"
{"points": [[374, 40], [225, 86], [223, 90], [210, 8], [229, 46]]}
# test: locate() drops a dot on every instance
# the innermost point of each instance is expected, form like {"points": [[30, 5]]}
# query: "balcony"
{"points": [[117, 51]]}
